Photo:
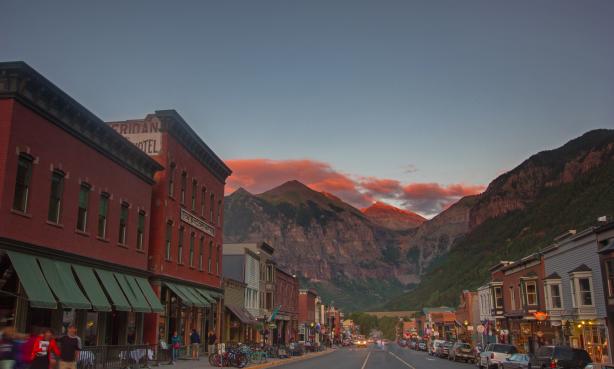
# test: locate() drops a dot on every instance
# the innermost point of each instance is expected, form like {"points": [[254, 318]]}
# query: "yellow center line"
{"points": [[401, 360], [366, 359]]}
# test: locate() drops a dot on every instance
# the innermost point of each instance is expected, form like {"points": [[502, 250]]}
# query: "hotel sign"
{"points": [[196, 222], [145, 134]]}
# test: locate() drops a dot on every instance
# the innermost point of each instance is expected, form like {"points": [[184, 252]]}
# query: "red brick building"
{"points": [[522, 287], [286, 299], [75, 204], [306, 314], [468, 316], [186, 224]]}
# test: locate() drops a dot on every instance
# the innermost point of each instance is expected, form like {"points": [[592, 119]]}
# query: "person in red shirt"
{"points": [[44, 345]]}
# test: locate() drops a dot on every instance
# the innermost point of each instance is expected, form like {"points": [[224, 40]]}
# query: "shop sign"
{"points": [[540, 315], [196, 222]]}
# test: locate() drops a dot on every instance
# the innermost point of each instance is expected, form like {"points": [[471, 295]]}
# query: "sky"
{"points": [[415, 103]]}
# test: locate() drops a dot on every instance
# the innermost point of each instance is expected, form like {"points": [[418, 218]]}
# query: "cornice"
{"points": [[24, 84], [174, 124]]}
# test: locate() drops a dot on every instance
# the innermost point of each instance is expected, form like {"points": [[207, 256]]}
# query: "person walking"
{"points": [[211, 341], [43, 347], [70, 348], [175, 346], [195, 344], [8, 349]]}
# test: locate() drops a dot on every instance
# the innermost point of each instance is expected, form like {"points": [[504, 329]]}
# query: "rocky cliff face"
{"points": [[332, 243], [391, 217]]}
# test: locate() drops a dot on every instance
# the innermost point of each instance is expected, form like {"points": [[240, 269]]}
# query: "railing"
{"points": [[117, 357]]}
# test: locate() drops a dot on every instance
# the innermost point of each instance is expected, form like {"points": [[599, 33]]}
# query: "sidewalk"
{"points": [[203, 363]]}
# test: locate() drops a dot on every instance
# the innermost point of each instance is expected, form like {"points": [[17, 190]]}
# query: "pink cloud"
{"points": [[259, 175]]}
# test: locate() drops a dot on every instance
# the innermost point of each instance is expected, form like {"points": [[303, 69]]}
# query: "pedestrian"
{"points": [[211, 341], [70, 348], [175, 346], [195, 343], [43, 347], [8, 349]]}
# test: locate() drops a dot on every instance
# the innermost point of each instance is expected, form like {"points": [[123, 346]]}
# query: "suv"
{"points": [[563, 357], [494, 354], [461, 351]]}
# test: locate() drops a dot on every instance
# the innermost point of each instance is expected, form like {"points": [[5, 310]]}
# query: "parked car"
{"points": [[402, 343], [413, 345], [434, 345], [462, 352], [446, 348], [495, 354], [520, 361], [422, 346], [563, 357], [599, 366]]}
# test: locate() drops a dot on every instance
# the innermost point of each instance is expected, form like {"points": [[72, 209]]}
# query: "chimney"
{"points": [[604, 219]]}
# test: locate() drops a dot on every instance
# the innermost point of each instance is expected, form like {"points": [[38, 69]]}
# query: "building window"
{"points": [[203, 201], [123, 223], [212, 207], [219, 212], [217, 260], [609, 269], [84, 202], [103, 210], [180, 246], [531, 293], [140, 231], [555, 296], [168, 239], [201, 250], [512, 298], [22, 183], [171, 180], [498, 294], [584, 289], [55, 196], [210, 254], [194, 192], [191, 259], [184, 183]]}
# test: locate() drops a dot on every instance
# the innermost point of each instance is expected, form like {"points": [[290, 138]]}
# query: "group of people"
{"points": [[195, 342], [40, 350]]}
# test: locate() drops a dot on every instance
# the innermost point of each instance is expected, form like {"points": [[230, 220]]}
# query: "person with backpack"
{"points": [[175, 346]]}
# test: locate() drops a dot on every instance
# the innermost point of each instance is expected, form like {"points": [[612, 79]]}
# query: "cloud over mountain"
{"points": [[259, 175]]}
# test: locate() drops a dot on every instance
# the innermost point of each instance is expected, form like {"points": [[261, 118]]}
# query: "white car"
{"points": [[494, 354]]}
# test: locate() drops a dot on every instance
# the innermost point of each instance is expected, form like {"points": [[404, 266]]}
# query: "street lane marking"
{"points": [[366, 359], [401, 360]]}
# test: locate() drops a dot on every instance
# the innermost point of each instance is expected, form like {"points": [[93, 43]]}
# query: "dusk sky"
{"points": [[412, 102]]}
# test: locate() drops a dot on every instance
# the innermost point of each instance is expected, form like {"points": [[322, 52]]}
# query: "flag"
{"points": [[274, 313]]}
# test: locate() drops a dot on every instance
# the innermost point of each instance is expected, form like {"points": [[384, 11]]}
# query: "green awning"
{"points": [[113, 290], [207, 295], [63, 284], [92, 288], [133, 293], [193, 296], [150, 295], [186, 300], [32, 280], [216, 295]]}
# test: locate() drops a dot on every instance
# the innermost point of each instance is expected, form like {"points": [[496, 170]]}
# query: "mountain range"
{"points": [[390, 258]]}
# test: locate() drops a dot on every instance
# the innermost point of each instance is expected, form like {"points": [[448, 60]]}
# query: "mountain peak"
{"points": [[392, 217]]}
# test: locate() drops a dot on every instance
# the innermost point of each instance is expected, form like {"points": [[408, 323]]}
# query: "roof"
{"points": [[609, 247], [554, 275], [21, 82], [581, 268]]}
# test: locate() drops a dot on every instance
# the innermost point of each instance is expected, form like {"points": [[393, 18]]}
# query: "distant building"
{"points": [[306, 314], [238, 325], [286, 301]]}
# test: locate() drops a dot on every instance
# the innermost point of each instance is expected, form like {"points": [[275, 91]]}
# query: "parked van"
{"points": [[563, 357]]}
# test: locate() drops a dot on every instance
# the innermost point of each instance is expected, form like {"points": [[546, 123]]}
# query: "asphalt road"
{"points": [[392, 357]]}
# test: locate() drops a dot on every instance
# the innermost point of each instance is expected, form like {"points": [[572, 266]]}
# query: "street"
{"points": [[392, 357]]}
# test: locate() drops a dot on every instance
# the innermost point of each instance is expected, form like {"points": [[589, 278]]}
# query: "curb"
{"points": [[291, 360]]}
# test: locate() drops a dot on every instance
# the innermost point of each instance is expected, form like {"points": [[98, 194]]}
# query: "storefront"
{"points": [[590, 335], [238, 325], [185, 308], [106, 306]]}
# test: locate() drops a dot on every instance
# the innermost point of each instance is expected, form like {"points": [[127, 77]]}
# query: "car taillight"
{"points": [[492, 355], [553, 364]]}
